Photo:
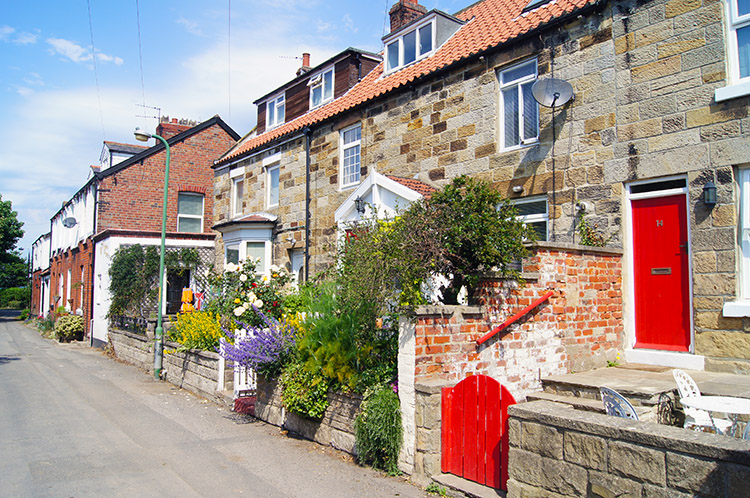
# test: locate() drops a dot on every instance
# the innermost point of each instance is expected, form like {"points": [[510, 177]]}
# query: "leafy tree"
{"points": [[13, 271], [473, 229]]}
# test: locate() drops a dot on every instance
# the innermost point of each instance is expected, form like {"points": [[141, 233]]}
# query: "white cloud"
{"points": [[5, 32], [190, 26], [323, 26], [25, 38], [6, 35], [69, 49], [77, 53], [349, 23], [108, 58]]}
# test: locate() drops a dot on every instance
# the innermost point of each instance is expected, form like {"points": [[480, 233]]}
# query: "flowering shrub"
{"points": [[196, 330], [69, 327], [263, 348], [241, 290]]}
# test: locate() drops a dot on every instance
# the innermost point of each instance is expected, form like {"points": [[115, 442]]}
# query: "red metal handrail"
{"points": [[514, 318]]}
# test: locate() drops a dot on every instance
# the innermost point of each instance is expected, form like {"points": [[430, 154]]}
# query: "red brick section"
{"points": [[36, 289], [80, 289], [135, 193], [582, 320]]}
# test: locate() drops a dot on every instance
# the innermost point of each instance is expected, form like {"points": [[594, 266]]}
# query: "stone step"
{"points": [[642, 387], [587, 404]]}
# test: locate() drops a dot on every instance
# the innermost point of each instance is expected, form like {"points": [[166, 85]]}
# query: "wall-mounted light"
{"points": [[359, 204], [69, 222], [517, 189], [709, 194]]}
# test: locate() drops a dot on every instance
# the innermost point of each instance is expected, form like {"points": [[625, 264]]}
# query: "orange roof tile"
{"points": [[416, 185], [488, 24]]}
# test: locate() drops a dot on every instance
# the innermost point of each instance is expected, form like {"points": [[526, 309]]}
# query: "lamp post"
{"points": [[158, 333]]}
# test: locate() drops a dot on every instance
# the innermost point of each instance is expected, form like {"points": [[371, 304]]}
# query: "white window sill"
{"points": [[736, 309], [732, 91]]}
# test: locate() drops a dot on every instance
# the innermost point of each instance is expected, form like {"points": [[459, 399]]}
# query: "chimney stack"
{"points": [[404, 12], [167, 129], [305, 64]]}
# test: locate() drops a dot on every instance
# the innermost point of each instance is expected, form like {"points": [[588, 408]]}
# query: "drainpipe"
{"points": [[308, 132]]}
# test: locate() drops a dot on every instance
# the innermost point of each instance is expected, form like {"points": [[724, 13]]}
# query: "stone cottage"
{"points": [[652, 152]]}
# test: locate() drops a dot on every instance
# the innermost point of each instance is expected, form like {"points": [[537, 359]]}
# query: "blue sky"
{"points": [[196, 63]]}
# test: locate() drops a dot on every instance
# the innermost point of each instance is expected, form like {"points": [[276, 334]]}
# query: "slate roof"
{"points": [[489, 23], [127, 148]]}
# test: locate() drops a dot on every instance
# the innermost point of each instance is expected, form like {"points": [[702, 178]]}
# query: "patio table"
{"points": [[734, 407]]}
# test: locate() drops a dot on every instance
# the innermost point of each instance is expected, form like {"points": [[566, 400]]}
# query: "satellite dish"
{"points": [[69, 222], [552, 92]]}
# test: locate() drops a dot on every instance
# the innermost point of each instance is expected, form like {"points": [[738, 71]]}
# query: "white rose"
{"points": [[258, 303], [251, 296], [243, 278], [274, 269], [265, 278], [230, 267], [238, 311]]}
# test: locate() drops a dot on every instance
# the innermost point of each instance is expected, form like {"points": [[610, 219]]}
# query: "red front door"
{"points": [[662, 285]]}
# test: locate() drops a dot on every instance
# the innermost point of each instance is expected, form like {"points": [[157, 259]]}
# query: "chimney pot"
{"points": [[306, 59]]}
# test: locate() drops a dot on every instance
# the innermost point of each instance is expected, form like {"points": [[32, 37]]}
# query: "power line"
{"points": [[140, 57], [229, 62], [96, 73]]}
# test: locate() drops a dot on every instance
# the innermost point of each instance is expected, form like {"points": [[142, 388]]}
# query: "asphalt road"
{"points": [[75, 423]]}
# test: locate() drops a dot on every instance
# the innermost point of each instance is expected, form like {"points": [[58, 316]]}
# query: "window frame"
{"points": [[535, 217], [319, 81], [518, 84], [398, 40], [734, 24], [344, 184], [276, 102], [744, 234], [191, 216], [237, 198], [269, 187]]}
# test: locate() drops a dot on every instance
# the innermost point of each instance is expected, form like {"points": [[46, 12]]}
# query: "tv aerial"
{"points": [[552, 92]]}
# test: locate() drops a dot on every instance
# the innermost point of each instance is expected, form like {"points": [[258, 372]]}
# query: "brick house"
{"points": [[659, 123], [40, 291], [122, 205]]}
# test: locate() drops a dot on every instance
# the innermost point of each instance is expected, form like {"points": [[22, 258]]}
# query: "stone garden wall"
{"points": [[558, 451], [335, 429], [195, 371]]}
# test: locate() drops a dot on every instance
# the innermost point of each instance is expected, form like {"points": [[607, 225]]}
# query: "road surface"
{"points": [[75, 423]]}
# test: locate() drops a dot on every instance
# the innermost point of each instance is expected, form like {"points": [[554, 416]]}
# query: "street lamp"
{"points": [[158, 333]]}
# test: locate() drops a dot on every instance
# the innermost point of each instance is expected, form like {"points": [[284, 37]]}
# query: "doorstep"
{"points": [[467, 488]]}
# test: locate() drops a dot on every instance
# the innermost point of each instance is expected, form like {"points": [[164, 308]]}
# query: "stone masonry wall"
{"points": [[335, 428], [558, 451], [195, 371], [644, 75]]}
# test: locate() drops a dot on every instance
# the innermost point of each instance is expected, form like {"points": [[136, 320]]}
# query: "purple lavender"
{"points": [[265, 348]]}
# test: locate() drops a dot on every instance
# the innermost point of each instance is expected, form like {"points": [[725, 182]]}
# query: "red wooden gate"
{"points": [[475, 430]]}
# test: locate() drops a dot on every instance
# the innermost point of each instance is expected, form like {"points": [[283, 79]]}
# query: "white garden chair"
{"points": [[616, 405], [698, 420]]}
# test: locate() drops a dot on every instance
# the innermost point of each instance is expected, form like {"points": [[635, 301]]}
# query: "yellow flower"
{"points": [[237, 300]]}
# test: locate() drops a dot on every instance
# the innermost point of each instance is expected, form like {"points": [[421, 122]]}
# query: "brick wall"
{"points": [[578, 328], [558, 451], [80, 289], [135, 193]]}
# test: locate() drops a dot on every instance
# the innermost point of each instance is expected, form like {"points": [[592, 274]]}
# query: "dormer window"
{"points": [[275, 111], [410, 46], [321, 88]]}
